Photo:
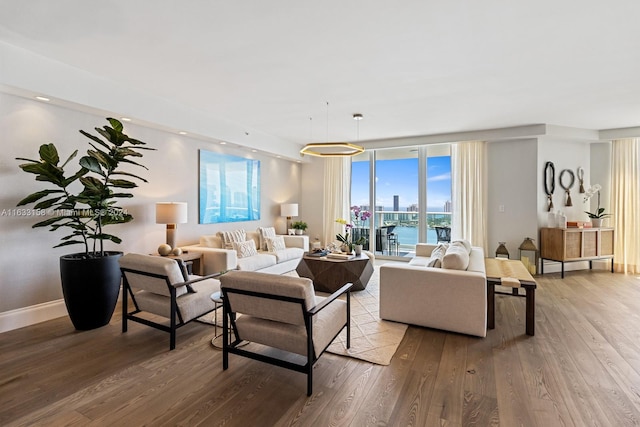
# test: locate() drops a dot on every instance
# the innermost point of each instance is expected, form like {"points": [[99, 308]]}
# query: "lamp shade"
{"points": [[171, 213], [289, 209]]}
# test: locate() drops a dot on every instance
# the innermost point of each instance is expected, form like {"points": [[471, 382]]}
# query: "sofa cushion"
{"points": [[245, 249], [257, 262], [419, 261], [275, 244], [456, 257], [289, 253], [228, 237], [264, 233]]}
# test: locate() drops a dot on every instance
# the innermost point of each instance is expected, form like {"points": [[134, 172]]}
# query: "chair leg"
{"points": [[174, 312], [125, 290], [225, 337], [348, 319]]}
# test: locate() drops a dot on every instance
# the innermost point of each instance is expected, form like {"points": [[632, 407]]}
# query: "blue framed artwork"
{"points": [[229, 188]]}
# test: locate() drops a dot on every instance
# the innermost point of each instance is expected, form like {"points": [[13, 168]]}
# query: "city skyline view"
{"points": [[399, 177]]}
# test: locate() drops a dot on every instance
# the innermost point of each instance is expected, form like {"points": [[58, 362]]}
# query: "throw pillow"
{"points": [[437, 254], [185, 275], [229, 237], [456, 257], [245, 249], [465, 243], [264, 233], [275, 244]]}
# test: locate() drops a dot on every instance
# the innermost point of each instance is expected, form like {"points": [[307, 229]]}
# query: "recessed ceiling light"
{"points": [[42, 98], [125, 119], [223, 143], [278, 157], [254, 151], [182, 132]]}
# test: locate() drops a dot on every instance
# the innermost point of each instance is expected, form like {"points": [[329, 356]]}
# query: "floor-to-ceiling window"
{"points": [[409, 196]]}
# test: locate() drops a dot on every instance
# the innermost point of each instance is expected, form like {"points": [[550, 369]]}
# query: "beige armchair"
{"points": [[281, 312], [161, 286]]}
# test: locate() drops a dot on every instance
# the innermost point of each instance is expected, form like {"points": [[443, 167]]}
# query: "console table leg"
{"points": [[531, 311], [562, 272], [612, 265], [491, 306]]}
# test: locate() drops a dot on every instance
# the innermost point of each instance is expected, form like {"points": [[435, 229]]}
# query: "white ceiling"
{"points": [[410, 67]]}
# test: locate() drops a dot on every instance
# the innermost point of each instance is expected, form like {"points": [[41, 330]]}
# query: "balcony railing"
{"points": [[404, 226]]}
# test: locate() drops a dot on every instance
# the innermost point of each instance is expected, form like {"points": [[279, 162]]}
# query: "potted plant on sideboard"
{"points": [[90, 279], [299, 226]]}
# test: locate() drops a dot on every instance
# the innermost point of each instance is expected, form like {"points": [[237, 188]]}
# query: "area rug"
{"points": [[372, 339]]}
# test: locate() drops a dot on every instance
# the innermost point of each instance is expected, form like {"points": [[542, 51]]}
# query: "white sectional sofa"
{"points": [[441, 298], [217, 258]]}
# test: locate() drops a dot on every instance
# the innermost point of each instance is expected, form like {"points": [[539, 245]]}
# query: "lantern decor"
{"points": [[529, 255], [502, 251]]}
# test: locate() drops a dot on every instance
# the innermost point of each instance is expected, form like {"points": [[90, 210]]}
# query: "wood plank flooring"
{"points": [[581, 368]]}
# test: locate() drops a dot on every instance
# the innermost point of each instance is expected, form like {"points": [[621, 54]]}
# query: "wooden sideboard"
{"points": [[575, 244]]}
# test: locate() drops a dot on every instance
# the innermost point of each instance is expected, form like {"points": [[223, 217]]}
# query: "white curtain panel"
{"points": [[625, 203], [337, 195], [469, 170]]}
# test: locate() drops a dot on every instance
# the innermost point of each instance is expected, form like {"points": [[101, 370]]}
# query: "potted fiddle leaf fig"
{"points": [[85, 202]]}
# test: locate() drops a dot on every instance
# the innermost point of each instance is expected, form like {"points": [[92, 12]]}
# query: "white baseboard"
{"points": [[26, 316]]}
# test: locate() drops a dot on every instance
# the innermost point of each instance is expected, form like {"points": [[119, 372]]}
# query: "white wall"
{"points": [[512, 179], [29, 265]]}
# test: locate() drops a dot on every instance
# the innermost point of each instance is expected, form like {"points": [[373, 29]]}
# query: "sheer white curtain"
{"points": [[625, 203], [337, 195], [469, 185]]}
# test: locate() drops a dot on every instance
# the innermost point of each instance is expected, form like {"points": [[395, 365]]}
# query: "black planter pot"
{"points": [[90, 287]]}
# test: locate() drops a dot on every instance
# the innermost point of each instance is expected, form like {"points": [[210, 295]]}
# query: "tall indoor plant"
{"points": [[85, 202]]}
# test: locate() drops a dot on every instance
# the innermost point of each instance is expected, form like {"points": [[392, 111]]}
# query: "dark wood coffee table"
{"points": [[330, 274]]}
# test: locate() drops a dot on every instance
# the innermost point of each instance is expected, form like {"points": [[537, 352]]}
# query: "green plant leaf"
{"points": [[49, 154], [115, 124], [91, 163], [103, 158], [37, 196], [69, 242], [128, 174], [48, 221], [121, 183], [46, 204], [71, 157], [96, 139]]}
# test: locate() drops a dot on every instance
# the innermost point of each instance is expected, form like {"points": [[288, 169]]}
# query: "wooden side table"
{"points": [[510, 272]]}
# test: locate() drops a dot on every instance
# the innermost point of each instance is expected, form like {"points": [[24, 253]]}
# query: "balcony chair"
{"points": [[281, 312], [443, 234], [162, 286]]}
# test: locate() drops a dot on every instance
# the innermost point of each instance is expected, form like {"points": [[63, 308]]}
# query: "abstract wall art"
{"points": [[229, 188]]}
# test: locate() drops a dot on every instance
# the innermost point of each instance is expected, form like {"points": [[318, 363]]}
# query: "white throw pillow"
{"points": [[264, 233], [275, 244], [229, 237], [465, 243], [437, 254], [245, 249], [456, 257]]}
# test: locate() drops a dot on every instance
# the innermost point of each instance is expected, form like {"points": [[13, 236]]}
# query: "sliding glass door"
{"points": [[409, 189]]}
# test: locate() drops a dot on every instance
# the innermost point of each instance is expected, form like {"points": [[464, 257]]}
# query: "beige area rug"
{"points": [[372, 339]]}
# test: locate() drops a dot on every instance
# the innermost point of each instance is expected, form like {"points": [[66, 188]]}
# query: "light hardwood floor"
{"points": [[582, 368]]}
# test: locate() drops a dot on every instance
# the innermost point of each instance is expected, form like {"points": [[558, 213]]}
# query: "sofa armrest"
{"points": [[297, 242], [215, 260]]}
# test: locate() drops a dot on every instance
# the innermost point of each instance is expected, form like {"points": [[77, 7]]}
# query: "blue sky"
{"points": [[400, 177]]}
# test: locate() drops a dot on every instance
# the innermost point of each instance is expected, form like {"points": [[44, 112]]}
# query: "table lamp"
{"points": [[171, 213], [289, 210]]}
